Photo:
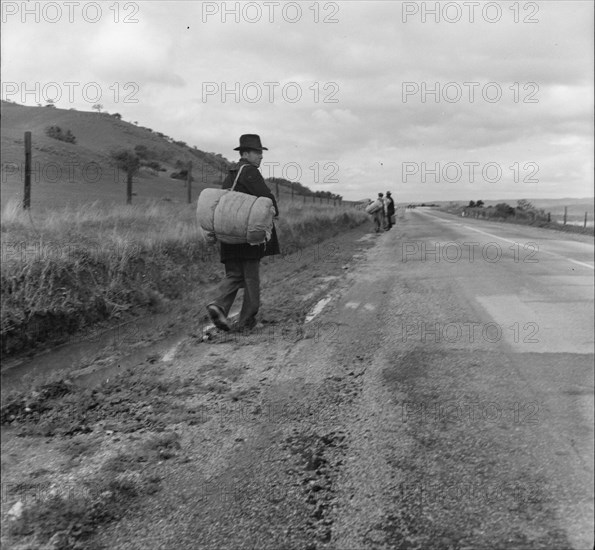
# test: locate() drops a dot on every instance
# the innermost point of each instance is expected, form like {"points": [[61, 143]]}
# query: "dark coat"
{"points": [[390, 207], [251, 182]]}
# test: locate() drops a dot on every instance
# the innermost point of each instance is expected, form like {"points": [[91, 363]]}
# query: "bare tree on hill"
{"points": [[127, 160]]}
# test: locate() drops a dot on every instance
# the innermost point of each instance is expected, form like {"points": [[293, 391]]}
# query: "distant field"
{"points": [[578, 223]]}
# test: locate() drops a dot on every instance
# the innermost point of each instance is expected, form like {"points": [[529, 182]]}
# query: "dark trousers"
{"points": [[389, 222], [241, 274]]}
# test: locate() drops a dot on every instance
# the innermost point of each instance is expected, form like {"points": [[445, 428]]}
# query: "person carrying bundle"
{"points": [[376, 209], [242, 261]]}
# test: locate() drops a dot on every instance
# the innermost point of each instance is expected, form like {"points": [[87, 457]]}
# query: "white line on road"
{"points": [[577, 262], [317, 309], [544, 251]]}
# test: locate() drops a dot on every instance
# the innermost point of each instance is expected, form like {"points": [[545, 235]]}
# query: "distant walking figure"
{"points": [[379, 215], [376, 210], [390, 210]]}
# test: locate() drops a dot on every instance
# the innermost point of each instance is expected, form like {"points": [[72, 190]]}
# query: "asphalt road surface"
{"points": [[441, 398]]}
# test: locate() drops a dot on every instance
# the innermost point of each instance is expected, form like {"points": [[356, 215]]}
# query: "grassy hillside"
{"points": [[74, 173], [69, 174]]}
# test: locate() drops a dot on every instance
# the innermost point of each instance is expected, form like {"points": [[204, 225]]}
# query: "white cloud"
{"points": [[363, 61]]}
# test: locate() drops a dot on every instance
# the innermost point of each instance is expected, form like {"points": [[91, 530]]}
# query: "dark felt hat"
{"points": [[250, 141]]}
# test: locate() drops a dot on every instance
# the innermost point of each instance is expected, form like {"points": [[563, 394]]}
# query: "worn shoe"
{"points": [[218, 317]]}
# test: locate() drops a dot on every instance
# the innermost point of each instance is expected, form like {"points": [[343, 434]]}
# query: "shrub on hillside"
{"points": [[57, 133], [153, 165], [150, 157], [181, 175], [524, 205], [142, 152]]}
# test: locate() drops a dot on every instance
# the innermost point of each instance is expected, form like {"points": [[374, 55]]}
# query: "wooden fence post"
{"points": [[565, 214], [129, 173], [585, 223], [27, 190], [189, 182]]}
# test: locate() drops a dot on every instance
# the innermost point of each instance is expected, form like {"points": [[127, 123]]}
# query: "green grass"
{"points": [[65, 270]]}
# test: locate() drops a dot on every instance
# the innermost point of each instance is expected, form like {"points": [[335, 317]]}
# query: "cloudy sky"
{"points": [[432, 100]]}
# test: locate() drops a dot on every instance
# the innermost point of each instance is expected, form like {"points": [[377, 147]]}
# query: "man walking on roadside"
{"points": [[379, 214], [242, 261], [390, 210]]}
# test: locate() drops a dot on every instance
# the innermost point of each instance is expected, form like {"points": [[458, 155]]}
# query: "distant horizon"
{"points": [[338, 191], [510, 199]]}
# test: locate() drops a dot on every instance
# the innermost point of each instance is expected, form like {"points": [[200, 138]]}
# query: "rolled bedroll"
{"points": [[374, 206], [235, 217]]}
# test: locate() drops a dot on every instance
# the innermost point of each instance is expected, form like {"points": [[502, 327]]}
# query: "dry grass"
{"points": [[64, 270], [142, 224]]}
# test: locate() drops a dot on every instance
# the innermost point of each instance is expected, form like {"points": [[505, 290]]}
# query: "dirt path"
{"points": [[343, 432]]}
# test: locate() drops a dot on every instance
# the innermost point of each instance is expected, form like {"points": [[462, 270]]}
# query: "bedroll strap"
{"points": [[236, 180]]}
